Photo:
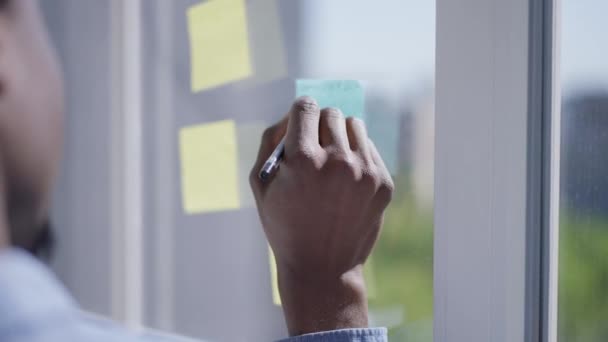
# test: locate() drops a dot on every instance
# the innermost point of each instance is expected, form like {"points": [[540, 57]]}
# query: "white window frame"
{"points": [[126, 169], [496, 171]]}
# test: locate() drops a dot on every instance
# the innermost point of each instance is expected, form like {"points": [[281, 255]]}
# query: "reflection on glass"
{"points": [[583, 261]]}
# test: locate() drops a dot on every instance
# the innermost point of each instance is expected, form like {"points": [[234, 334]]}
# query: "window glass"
{"points": [[215, 73], [583, 260], [82, 211], [216, 263]]}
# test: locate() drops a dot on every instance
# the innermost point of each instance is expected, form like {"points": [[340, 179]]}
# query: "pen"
{"points": [[272, 163]]}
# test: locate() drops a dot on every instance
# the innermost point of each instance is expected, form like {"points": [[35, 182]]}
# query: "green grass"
{"points": [[583, 279], [403, 264]]}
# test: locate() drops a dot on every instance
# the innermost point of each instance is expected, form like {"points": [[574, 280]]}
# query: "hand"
{"points": [[322, 212]]}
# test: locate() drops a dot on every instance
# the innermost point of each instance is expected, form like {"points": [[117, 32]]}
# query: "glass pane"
{"points": [[207, 268], [82, 211], [208, 281], [583, 261]]}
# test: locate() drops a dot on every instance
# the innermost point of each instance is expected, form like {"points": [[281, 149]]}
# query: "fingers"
{"points": [[270, 139], [306, 129], [387, 186], [377, 159], [358, 140], [332, 130], [303, 126]]}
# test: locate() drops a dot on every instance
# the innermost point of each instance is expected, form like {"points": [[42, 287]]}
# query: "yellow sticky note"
{"points": [[209, 167], [219, 43], [274, 278]]}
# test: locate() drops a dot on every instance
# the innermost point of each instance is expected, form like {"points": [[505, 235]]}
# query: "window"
{"points": [[462, 256], [583, 252], [389, 48], [131, 92]]}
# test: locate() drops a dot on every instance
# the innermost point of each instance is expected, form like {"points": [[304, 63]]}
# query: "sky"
{"points": [[584, 49], [388, 40], [394, 41]]}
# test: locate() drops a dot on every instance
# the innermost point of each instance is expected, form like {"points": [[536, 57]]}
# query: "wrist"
{"points": [[315, 303]]}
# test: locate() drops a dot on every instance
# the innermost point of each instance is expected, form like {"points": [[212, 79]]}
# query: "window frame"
{"points": [[551, 177], [496, 170], [126, 169]]}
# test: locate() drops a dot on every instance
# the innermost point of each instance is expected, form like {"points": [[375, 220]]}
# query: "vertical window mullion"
{"points": [[483, 161]]}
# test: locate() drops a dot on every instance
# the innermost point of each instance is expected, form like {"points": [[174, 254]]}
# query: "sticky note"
{"points": [[209, 167], [249, 136], [274, 278], [384, 129], [219, 43], [348, 95]]}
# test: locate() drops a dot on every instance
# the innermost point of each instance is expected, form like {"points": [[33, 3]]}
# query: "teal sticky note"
{"points": [[346, 95], [383, 129]]}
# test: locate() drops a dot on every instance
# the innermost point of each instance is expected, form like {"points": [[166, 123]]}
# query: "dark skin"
{"points": [[322, 212]]}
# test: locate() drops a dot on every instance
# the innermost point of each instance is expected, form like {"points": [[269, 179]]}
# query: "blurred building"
{"points": [[423, 152], [584, 180]]}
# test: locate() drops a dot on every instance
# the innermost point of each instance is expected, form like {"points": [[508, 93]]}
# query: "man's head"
{"points": [[31, 110]]}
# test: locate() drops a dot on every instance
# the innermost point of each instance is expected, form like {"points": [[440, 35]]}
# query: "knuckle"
{"points": [[342, 163], [305, 105], [303, 155], [386, 190], [369, 182]]}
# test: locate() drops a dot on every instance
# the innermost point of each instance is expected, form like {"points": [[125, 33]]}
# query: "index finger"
{"points": [[303, 125]]}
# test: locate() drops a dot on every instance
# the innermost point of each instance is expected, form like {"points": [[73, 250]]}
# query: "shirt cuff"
{"points": [[345, 335], [29, 290]]}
